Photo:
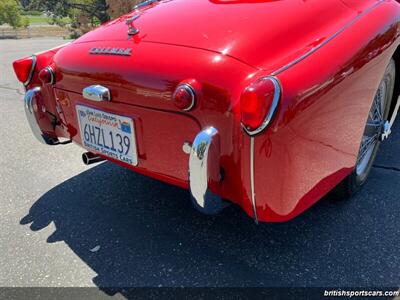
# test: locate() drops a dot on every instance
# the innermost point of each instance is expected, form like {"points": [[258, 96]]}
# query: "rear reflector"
{"points": [[258, 104], [24, 69]]}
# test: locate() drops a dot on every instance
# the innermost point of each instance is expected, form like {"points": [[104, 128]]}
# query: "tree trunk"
{"points": [[118, 8]]}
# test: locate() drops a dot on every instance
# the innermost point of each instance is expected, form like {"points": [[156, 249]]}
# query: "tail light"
{"points": [[47, 76], [24, 69], [184, 97], [258, 104]]}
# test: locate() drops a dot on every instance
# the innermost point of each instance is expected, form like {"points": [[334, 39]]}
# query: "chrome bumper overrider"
{"points": [[32, 112], [204, 170]]}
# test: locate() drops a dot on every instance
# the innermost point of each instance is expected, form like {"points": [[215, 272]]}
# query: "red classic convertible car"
{"points": [[269, 104]]}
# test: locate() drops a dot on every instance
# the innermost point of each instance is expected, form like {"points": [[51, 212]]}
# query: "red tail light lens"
{"points": [[24, 68], [258, 104], [46, 75], [184, 97]]}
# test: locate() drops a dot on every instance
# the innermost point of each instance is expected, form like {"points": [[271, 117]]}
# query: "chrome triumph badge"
{"points": [[111, 51]]}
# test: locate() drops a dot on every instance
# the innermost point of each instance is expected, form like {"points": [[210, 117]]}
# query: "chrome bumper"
{"points": [[204, 169], [32, 107]]}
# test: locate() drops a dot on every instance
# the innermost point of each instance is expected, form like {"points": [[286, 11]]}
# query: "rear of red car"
{"points": [[184, 91], [158, 99], [170, 90]]}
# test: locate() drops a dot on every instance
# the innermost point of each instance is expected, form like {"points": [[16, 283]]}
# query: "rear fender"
{"points": [[314, 141]]}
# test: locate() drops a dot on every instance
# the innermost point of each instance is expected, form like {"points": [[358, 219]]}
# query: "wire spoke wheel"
{"points": [[373, 130]]}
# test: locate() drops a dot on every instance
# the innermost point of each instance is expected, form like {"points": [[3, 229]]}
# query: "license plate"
{"points": [[108, 134]]}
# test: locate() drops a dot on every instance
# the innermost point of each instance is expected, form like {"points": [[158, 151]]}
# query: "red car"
{"points": [[264, 103]]}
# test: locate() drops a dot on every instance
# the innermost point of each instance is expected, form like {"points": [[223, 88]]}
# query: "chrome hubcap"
{"points": [[377, 129]]}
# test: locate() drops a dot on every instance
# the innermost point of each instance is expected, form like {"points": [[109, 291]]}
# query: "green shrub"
{"points": [[10, 13], [25, 22]]}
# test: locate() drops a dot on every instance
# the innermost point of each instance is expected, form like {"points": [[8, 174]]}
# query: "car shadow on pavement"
{"points": [[134, 231]]}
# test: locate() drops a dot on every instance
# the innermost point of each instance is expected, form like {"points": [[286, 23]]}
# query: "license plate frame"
{"points": [[108, 134]]}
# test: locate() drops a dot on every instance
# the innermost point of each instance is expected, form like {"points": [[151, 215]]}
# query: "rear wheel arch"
{"points": [[379, 114]]}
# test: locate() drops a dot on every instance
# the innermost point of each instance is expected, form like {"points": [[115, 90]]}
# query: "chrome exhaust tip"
{"points": [[90, 158]]}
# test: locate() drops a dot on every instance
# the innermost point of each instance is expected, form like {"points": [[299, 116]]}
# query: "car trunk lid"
{"points": [[252, 31]]}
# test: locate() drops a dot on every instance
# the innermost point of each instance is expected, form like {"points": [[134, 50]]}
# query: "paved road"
{"points": [[63, 224]]}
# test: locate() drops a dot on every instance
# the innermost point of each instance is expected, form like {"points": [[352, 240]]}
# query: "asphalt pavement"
{"points": [[64, 224]]}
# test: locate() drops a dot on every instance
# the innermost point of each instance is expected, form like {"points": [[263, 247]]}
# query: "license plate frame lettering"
{"points": [[109, 134]]}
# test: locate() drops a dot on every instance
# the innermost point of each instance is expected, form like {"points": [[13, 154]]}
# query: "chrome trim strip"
{"points": [[252, 181], [96, 93], [204, 168], [271, 113], [191, 91], [32, 71], [353, 21], [31, 105]]}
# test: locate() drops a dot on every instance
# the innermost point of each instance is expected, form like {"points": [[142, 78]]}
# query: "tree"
{"points": [[10, 14], [118, 8], [95, 10], [25, 3]]}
